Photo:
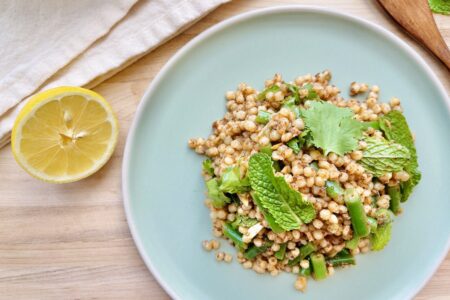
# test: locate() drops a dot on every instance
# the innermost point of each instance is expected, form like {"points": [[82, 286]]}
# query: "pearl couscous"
{"points": [[301, 180]]}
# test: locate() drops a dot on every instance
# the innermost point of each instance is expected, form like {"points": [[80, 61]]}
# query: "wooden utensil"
{"points": [[415, 16]]}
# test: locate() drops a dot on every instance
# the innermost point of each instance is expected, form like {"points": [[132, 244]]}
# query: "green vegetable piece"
{"points": [[332, 128], [396, 196], [356, 212], [267, 215], [267, 150], [396, 129], [207, 167], [380, 238], [293, 144], [343, 258], [262, 96], [263, 117], [304, 252], [217, 197], [254, 251], [285, 204], [235, 236], [373, 224], [232, 182], [290, 104], [312, 94], [334, 189], [319, 267], [244, 221], [305, 272], [381, 157], [440, 6], [353, 243], [294, 92], [281, 253]]}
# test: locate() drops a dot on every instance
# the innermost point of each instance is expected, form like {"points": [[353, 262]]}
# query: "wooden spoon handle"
{"points": [[416, 17]]}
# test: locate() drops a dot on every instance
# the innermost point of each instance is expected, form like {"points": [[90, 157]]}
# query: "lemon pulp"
{"points": [[64, 134]]}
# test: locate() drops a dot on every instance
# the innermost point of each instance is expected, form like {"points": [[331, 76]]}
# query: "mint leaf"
{"points": [[244, 221], [267, 215], [332, 128], [284, 204], [207, 167], [440, 6], [261, 96], [231, 181], [217, 197], [396, 129], [382, 156], [380, 238]]}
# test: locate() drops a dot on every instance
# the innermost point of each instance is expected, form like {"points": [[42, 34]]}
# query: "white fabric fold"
{"points": [[146, 25]]}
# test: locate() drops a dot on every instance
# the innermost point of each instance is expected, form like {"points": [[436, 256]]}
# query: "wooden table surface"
{"points": [[72, 241]]}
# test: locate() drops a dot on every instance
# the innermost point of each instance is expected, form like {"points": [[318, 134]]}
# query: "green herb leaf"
{"points": [[290, 104], [440, 6], [244, 221], [232, 182], [396, 129], [382, 156], [267, 215], [294, 92], [216, 196], [261, 96], [332, 128], [294, 145], [207, 167], [285, 204], [312, 95], [380, 238]]}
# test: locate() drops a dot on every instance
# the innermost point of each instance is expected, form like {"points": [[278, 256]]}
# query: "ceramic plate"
{"points": [[163, 189]]}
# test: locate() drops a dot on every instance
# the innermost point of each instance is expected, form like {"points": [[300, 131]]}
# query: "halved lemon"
{"points": [[64, 134]]}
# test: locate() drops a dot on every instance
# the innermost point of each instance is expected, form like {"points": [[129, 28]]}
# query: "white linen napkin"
{"points": [[50, 43]]}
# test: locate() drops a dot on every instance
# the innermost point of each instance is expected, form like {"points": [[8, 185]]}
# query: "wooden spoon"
{"points": [[416, 17]]}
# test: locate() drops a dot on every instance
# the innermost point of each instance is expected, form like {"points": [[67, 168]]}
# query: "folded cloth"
{"points": [[55, 56]]}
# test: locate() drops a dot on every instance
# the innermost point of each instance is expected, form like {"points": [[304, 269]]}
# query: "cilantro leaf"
{"points": [[232, 183], [287, 207], [396, 129], [380, 238], [207, 167], [244, 221], [332, 128], [294, 145], [217, 197], [382, 156]]}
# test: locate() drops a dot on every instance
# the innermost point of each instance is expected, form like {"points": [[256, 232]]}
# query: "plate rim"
{"points": [[213, 30]]}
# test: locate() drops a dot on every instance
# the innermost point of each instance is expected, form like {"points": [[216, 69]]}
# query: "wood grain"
{"points": [[416, 17], [72, 241]]}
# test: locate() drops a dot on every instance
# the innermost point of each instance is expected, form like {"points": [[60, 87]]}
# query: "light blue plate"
{"points": [[164, 192]]}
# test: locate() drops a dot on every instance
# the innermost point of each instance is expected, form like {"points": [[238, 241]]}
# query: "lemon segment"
{"points": [[64, 134]]}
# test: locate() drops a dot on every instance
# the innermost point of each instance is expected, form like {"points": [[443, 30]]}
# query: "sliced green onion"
{"points": [[234, 236], [281, 253], [263, 117], [356, 212], [334, 189], [254, 251], [318, 266]]}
